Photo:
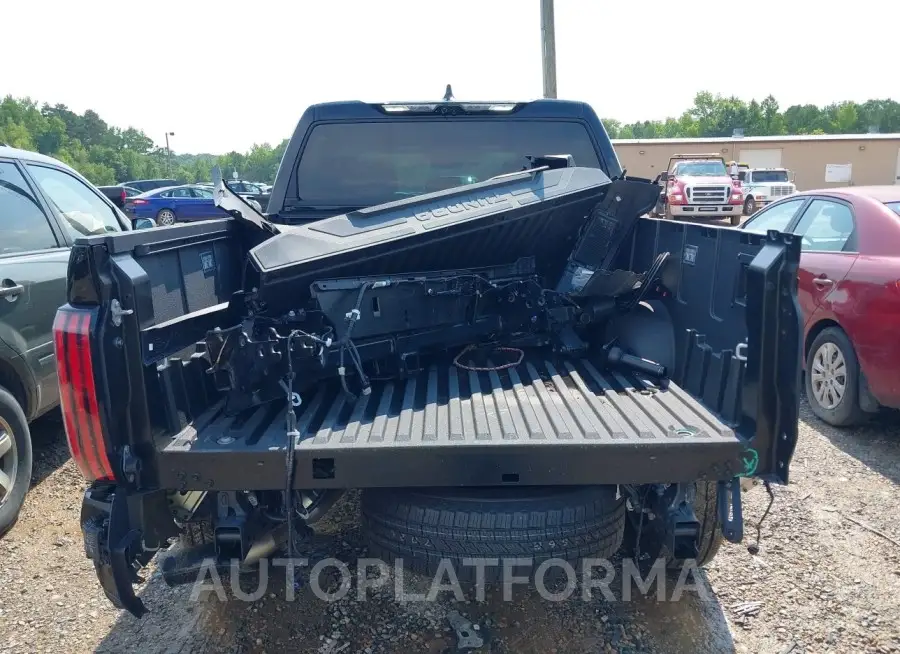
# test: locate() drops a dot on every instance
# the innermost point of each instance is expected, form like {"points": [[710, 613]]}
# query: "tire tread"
{"points": [[422, 530]]}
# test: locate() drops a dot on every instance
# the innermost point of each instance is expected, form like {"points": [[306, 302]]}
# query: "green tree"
{"points": [[612, 127], [804, 119], [844, 118], [715, 115], [107, 154]]}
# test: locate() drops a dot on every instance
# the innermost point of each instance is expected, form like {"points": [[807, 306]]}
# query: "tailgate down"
{"points": [[565, 421]]}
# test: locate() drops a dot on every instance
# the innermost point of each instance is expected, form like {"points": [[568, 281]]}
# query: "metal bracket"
{"points": [[467, 634], [131, 465], [682, 526], [117, 576], [116, 312], [740, 351], [730, 514]]}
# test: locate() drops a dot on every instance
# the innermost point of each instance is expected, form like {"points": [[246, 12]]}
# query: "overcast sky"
{"points": [[224, 75]]}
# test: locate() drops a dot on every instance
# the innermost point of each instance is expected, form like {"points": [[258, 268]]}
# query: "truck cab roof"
{"points": [[327, 136]]}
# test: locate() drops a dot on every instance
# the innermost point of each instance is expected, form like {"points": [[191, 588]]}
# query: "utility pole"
{"points": [[548, 48], [168, 153]]}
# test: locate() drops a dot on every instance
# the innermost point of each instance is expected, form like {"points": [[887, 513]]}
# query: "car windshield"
{"points": [[763, 176], [895, 207], [701, 169], [364, 164]]}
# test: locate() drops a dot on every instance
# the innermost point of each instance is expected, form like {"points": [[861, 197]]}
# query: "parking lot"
{"points": [[825, 580]]}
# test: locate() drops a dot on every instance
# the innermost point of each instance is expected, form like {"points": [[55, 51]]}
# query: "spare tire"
{"points": [[423, 526]]}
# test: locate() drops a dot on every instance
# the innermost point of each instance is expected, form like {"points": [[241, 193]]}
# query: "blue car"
{"points": [[174, 204]]}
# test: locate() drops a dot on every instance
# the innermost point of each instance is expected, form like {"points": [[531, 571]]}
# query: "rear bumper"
{"points": [[536, 425], [121, 533], [705, 211]]}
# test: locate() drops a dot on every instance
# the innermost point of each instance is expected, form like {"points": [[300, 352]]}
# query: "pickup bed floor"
{"points": [[561, 422]]}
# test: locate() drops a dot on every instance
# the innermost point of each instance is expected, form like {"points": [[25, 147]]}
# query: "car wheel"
{"points": [[749, 206], [15, 459], [832, 379], [165, 217]]}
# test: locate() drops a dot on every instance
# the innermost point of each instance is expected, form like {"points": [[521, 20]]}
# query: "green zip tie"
{"points": [[751, 461]]}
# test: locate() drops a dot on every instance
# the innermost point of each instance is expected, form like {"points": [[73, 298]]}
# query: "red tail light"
{"points": [[78, 393], [123, 196], [138, 201]]}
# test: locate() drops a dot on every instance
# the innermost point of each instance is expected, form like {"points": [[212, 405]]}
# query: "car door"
{"points": [[205, 202], [186, 204], [829, 249], [33, 264]]}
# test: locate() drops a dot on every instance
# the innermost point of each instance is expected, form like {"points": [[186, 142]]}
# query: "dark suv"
{"points": [[144, 185], [44, 206]]}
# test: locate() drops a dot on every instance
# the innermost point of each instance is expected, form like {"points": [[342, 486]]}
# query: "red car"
{"points": [[849, 293]]}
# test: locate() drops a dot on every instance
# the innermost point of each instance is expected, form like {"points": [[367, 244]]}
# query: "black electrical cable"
{"points": [[347, 344], [753, 548], [292, 435], [647, 279], [640, 528]]}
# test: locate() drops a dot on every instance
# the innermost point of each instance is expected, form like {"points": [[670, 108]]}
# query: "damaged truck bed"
{"points": [[543, 422], [525, 344], [563, 414]]}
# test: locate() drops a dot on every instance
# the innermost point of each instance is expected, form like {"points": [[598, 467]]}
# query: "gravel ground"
{"points": [[824, 581]]}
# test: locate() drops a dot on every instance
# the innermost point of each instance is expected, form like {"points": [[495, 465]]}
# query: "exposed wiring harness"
{"points": [[292, 435], [457, 361], [346, 345]]}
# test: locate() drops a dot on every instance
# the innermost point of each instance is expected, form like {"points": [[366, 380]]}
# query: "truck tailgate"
{"points": [[563, 421]]}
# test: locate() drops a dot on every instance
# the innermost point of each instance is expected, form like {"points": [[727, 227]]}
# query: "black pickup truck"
{"points": [[118, 194], [455, 307]]}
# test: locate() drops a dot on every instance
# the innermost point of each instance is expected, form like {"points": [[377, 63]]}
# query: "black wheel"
{"points": [[749, 207], [735, 221], [832, 379], [652, 544], [423, 526], [15, 459]]}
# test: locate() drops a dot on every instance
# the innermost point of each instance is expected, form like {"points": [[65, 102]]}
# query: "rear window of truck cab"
{"points": [[364, 164]]}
